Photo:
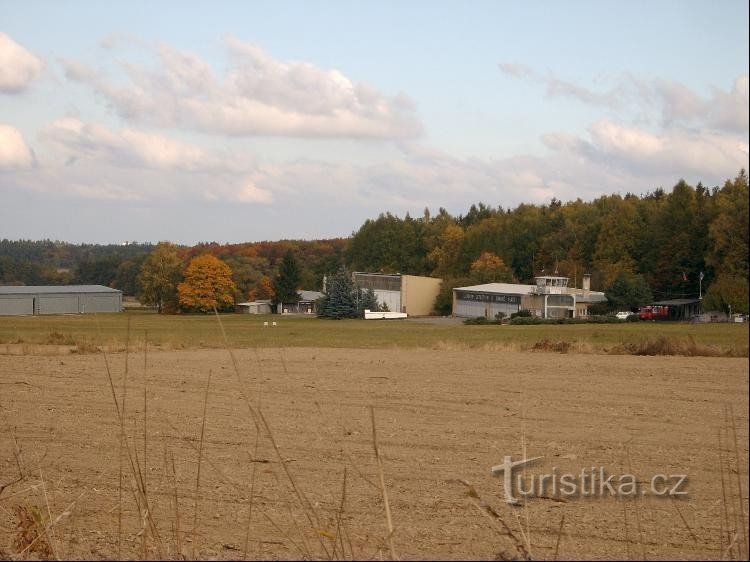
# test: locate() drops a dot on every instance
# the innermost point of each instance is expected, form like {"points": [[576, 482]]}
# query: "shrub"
{"points": [[523, 313]]}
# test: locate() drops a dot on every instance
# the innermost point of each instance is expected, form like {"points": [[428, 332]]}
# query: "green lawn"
{"points": [[180, 331]]}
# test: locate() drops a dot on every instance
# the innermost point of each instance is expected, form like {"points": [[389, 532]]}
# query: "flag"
{"points": [[700, 276], [684, 277]]}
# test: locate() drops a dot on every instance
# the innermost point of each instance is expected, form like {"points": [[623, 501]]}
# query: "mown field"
{"points": [[247, 331]]}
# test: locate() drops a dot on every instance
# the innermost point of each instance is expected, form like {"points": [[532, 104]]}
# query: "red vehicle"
{"points": [[655, 312]]}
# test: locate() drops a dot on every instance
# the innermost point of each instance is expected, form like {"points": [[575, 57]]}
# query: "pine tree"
{"points": [[341, 299], [286, 284], [367, 300]]}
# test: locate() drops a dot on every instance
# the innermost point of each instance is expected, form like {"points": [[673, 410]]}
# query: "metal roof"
{"points": [[677, 302], [53, 289], [517, 289], [503, 288], [309, 295], [591, 297]]}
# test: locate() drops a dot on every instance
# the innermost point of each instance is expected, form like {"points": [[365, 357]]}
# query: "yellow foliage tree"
{"points": [[208, 284], [265, 288], [491, 268]]}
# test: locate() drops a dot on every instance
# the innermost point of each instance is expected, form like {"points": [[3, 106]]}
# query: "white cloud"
{"points": [[660, 101], [76, 139], [632, 150], [18, 66], [729, 110], [259, 95], [14, 154], [250, 193]]}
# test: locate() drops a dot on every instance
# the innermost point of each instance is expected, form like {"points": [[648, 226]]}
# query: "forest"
{"points": [[657, 245]]}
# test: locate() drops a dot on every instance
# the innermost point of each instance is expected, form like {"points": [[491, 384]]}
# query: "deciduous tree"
{"points": [[490, 268], [160, 274], [208, 284]]}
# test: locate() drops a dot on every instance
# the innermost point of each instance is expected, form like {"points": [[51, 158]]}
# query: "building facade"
{"points": [[412, 294], [67, 299], [549, 297]]}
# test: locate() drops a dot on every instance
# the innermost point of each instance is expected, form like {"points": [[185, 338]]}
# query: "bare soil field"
{"points": [[442, 417]]}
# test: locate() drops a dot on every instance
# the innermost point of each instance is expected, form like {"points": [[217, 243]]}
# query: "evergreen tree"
{"points": [[340, 300], [628, 292], [286, 283], [367, 300]]}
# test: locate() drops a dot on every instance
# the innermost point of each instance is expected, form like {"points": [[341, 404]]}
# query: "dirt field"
{"points": [[441, 417]]}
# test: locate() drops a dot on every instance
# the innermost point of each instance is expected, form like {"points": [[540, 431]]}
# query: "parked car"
{"points": [[624, 315]]}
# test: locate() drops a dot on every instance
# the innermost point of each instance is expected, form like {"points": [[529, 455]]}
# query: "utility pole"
{"points": [[700, 286]]}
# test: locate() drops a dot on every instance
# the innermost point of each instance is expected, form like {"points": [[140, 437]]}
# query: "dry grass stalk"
{"points": [[559, 536], [637, 511], [200, 457], [19, 464], [260, 422], [742, 530], [388, 518], [627, 532], [726, 528], [252, 494], [37, 523], [178, 543], [30, 532], [145, 434], [339, 513], [499, 524], [50, 536], [284, 533], [684, 521], [139, 495]]}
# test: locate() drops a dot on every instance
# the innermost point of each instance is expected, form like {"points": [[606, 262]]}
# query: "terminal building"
{"points": [[550, 297]]}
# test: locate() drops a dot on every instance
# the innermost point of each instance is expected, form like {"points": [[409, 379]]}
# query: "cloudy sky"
{"points": [[238, 121]]}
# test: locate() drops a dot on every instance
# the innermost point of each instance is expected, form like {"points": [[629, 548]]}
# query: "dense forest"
{"points": [[665, 240]]}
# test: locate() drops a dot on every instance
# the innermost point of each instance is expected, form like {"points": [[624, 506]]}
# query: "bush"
{"points": [[529, 320], [482, 321], [523, 313]]}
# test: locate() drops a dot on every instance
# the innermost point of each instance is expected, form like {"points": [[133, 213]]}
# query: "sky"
{"points": [[235, 121]]}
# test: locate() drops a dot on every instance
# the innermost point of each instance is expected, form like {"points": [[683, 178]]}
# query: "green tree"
{"points": [[340, 300], [127, 275], [729, 230], [628, 292], [286, 283], [444, 300], [367, 300], [727, 292], [160, 274]]}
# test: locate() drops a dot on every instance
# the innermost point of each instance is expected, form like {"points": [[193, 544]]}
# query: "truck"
{"points": [[654, 312]]}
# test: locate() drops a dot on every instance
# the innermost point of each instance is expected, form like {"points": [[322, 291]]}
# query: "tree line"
{"points": [[636, 248]]}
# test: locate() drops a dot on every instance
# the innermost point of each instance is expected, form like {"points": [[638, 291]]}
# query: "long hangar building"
{"points": [[66, 299], [550, 297]]}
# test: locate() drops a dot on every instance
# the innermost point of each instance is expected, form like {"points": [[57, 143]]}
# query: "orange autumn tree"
{"points": [[490, 268], [208, 284], [265, 288]]}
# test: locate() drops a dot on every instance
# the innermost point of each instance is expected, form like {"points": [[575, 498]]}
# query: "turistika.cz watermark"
{"points": [[589, 482]]}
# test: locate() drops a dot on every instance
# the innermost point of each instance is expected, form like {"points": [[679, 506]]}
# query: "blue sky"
{"points": [[235, 121]]}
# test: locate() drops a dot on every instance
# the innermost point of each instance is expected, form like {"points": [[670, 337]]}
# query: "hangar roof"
{"points": [[54, 289]]}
